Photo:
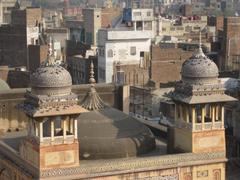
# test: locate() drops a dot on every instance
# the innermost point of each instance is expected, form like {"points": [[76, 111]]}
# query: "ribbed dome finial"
{"points": [[92, 100], [92, 80], [199, 52]]}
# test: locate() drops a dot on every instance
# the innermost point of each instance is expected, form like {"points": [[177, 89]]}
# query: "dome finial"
{"points": [[199, 52], [92, 80], [92, 100]]}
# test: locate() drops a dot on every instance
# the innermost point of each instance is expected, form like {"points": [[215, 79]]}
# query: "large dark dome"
{"points": [[199, 69], [109, 133], [51, 80]]}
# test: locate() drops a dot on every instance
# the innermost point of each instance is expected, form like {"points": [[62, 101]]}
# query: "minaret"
{"points": [[52, 111], [199, 107]]}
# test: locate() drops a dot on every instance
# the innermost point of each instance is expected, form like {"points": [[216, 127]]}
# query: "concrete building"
{"points": [[5, 10], [92, 23], [230, 49], [124, 46], [15, 37], [126, 43], [78, 66], [57, 38], [181, 27]]}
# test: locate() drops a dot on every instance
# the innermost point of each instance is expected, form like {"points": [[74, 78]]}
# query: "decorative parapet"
{"points": [[95, 168]]}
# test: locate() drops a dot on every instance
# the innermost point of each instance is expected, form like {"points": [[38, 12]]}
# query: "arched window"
{"points": [[217, 174], [110, 53]]}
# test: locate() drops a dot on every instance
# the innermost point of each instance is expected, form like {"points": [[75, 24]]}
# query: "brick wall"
{"points": [[166, 64]]}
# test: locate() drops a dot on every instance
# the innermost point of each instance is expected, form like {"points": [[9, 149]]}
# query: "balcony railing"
{"points": [[199, 126]]}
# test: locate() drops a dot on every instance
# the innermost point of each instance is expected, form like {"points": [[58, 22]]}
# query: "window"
{"points": [[133, 50], [110, 53], [139, 25], [149, 13]]}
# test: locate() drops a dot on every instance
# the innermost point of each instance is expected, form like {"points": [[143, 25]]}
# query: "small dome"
{"points": [[51, 80], [3, 85], [199, 69], [109, 133]]}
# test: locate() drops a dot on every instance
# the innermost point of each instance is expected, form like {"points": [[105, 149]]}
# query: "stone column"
{"points": [[41, 131], [193, 117], [75, 129], [52, 130], [217, 111], [135, 25], [203, 117], [187, 113], [36, 129], [222, 115]]}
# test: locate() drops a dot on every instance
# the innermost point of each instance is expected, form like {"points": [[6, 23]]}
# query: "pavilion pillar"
{"points": [[217, 112], [203, 117], [36, 129], [187, 114], [75, 129], [52, 130], [41, 131], [222, 116], [193, 117]]}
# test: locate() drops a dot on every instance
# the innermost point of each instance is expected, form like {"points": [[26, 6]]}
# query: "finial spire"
{"points": [[92, 80], [199, 52], [92, 100]]}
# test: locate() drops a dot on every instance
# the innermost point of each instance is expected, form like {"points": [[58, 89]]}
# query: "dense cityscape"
{"points": [[119, 89]]}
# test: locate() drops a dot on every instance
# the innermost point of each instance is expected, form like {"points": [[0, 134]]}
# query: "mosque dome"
{"points": [[199, 69], [109, 133], [3, 85], [106, 133], [51, 80]]}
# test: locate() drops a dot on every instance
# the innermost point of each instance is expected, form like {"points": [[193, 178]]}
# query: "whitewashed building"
{"points": [[124, 44]]}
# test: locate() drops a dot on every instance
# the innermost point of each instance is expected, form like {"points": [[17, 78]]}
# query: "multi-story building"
{"points": [[126, 43], [15, 37], [92, 23], [230, 49], [5, 10]]}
